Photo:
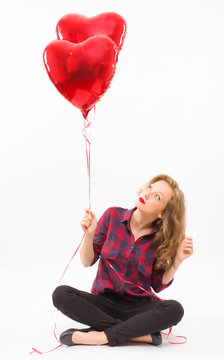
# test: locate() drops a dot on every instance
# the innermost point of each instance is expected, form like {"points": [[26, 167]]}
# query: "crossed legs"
{"points": [[115, 320]]}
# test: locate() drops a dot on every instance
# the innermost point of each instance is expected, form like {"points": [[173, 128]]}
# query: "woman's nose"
{"points": [[148, 194]]}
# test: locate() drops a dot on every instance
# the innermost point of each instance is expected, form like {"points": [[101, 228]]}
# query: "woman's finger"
{"points": [[189, 242]]}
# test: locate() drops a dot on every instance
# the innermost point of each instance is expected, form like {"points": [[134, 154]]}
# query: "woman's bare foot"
{"points": [[99, 338], [145, 338], [89, 338]]}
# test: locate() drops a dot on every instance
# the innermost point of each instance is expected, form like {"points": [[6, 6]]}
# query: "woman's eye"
{"points": [[158, 197]]}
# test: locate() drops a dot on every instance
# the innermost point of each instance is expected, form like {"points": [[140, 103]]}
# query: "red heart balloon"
{"points": [[81, 72], [77, 28]]}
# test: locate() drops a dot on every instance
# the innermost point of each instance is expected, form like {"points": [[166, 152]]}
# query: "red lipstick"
{"points": [[142, 200]]}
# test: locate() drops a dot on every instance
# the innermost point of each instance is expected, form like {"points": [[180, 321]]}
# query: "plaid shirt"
{"points": [[133, 260]]}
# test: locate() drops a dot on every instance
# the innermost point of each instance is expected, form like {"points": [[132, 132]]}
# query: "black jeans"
{"points": [[121, 320]]}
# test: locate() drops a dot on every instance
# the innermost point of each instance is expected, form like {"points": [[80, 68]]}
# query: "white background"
{"points": [[163, 113]]}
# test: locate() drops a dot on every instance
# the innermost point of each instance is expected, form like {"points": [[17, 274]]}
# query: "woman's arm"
{"points": [[88, 224], [184, 250], [169, 274], [87, 252], [95, 235]]}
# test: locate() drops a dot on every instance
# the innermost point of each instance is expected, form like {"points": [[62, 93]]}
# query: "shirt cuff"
{"points": [[96, 255], [157, 284]]}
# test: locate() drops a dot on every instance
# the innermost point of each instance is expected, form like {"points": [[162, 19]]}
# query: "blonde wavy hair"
{"points": [[171, 227]]}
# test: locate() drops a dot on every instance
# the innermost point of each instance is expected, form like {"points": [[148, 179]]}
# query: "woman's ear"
{"points": [[160, 216]]}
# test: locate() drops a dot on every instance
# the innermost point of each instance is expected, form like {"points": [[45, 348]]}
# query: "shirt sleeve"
{"points": [[156, 280], [100, 234]]}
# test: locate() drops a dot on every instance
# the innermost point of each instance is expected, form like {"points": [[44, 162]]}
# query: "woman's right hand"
{"points": [[89, 222]]}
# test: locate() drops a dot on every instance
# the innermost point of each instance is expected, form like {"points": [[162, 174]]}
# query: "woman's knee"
{"points": [[59, 295], [175, 309]]}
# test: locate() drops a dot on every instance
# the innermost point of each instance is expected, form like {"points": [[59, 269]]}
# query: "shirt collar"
{"points": [[127, 217]]}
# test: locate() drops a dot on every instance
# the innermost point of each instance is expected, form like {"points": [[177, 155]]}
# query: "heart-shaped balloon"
{"points": [[81, 72], [77, 28]]}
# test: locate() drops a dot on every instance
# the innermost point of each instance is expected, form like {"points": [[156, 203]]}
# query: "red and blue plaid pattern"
{"points": [[133, 260]]}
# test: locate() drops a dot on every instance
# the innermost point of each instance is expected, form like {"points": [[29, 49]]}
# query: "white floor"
{"points": [[28, 316]]}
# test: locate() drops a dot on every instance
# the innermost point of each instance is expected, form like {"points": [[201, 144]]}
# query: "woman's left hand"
{"points": [[185, 248]]}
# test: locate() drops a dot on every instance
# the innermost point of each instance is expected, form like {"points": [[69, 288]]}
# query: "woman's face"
{"points": [[154, 198]]}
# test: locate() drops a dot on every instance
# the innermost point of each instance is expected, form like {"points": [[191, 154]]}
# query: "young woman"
{"points": [[137, 248]]}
